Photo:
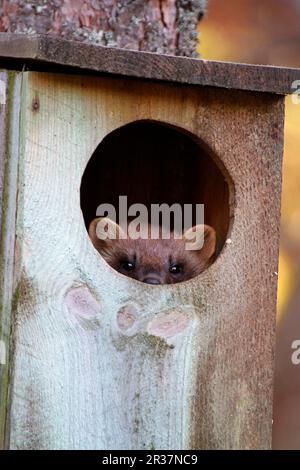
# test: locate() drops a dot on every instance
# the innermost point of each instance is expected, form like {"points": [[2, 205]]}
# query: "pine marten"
{"points": [[153, 261]]}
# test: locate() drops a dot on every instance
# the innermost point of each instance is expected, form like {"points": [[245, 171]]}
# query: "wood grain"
{"points": [[38, 52], [3, 118], [105, 362], [10, 89]]}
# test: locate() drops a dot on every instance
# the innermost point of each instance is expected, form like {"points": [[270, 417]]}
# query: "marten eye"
{"points": [[128, 266], [175, 269]]}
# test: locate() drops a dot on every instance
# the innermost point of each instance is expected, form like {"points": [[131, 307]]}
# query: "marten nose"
{"points": [[151, 280]]}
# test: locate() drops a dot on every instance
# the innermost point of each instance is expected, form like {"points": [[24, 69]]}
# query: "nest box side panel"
{"points": [[10, 92], [104, 362], [247, 132]]}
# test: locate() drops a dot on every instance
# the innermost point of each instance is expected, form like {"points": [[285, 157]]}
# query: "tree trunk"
{"points": [[162, 26]]}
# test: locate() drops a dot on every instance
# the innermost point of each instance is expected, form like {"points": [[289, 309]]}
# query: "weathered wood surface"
{"points": [[3, 117], [105, 362], [44, 52], [9, 136]]}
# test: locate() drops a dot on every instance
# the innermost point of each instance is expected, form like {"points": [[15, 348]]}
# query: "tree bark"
{"points": [[161, 26]]}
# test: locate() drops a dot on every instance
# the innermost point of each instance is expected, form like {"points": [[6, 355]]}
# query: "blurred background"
{"points": [[268, 32]]}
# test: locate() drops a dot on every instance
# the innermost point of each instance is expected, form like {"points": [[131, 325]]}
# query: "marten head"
{"points": [[153, 261]]}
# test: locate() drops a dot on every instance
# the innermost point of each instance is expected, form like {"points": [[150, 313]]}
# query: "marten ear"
{"points": [[103, 231], [201, 238]]}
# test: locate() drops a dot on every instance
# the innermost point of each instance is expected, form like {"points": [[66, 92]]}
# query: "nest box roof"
{"points": [[47, 53]]}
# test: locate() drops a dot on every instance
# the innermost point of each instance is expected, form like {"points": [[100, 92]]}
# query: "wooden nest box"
{"points": [[90, 358]]}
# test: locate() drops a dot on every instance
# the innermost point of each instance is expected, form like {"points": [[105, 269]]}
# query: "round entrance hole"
{"points": [[155, 163]]}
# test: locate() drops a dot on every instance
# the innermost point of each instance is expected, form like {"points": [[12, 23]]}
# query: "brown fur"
{"points": [[152, 259]]}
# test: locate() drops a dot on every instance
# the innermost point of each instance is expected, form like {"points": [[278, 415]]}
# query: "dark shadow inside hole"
{"points": [[153, 163]]}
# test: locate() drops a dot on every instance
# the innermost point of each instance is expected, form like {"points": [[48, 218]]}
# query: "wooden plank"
{"points": [[3, 110], [10, 84], [46, 53], [105, 362]]}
